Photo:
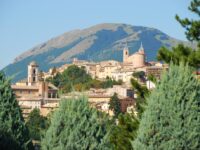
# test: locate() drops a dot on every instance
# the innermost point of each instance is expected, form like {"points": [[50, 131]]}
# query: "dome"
{"points": [[33, 63]]}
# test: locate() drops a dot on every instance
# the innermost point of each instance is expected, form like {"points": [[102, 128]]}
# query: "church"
{"points": [[137, 59]]}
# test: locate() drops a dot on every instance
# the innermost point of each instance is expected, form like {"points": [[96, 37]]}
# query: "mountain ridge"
{"points": [[100, 42]]}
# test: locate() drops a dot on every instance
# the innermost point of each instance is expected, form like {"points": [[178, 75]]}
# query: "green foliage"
{"points": [[108, 83], [142, 92], [13, 132], [171, 119], [183, 53], [114, 104], [72, 77], [192, 26], [75, 125], [124, 132], [75, 78], [152, 78], [36, 124], [8, 142], [139, 74], [179, 54]]}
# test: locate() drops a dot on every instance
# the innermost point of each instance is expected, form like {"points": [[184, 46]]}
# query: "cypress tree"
{"points": [[75, 125], [14, 134], [115, 105], [124, 132], [36, 124], [172, 116]]}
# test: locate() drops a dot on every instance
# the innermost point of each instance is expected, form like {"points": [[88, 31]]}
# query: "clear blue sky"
{"points": [[26, 23]]}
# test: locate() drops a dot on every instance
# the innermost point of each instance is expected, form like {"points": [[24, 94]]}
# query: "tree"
{"points": [[124, 132], [171, 119], [192, 26], [75, 125], [36, 124], [152, 78], [139, 75], [13, 131], [179, 54], [142, 92], [183, 53], [114, 104]]}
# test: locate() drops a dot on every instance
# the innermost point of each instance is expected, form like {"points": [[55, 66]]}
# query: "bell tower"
{"points": [[32, 73], [125, 53]]}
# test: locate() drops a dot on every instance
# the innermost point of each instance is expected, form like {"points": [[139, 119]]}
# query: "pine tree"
{"points": [[124, 132], [192, 26], [115, 105], [13, 132], [36, 124], [75, 125], [183, 53], [172, 117]]}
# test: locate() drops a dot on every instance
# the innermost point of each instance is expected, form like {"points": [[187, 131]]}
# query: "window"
{"points": [[34, 71]]}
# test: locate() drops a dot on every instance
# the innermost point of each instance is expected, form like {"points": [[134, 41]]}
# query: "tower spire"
{"points": [[141, 49], [141, 46]]}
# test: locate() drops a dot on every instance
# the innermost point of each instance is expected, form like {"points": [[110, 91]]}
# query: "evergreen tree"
{"points": [[76, 126], [36, 124], [183, 53], [124, 132], [179, 54], [13, 131], [142, 92], [115, 105], [192, 26], [172, 117], [139, 75]]}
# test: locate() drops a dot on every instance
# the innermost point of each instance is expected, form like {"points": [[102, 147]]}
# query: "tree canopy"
{"points": [[14, 132], [76, 78], [183, 53], [124, 132], [114, 104], [192, 26], [76, 125], [171, 118], [36, 124], [179, 54]]}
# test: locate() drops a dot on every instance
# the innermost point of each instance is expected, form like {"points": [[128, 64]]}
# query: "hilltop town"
{"points": [[37, 92], [116, 82]]}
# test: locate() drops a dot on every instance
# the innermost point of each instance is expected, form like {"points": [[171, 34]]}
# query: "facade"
{"points": [[155, 71], [137, 59], [34, 92]]}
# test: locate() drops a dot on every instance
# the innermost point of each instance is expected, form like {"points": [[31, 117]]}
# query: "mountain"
{"points": [[97, 43]]}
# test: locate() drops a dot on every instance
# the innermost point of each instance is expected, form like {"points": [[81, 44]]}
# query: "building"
{"points": [[34, 92], [156, 71], [137, 59]]}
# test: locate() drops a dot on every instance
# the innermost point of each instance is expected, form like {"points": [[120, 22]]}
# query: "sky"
{"points": [[27, 23]]}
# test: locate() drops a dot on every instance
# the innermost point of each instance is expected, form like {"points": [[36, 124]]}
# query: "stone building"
{"points": [[137, 59], [33, 92]]}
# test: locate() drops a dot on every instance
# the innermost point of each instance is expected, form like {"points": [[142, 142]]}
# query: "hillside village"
{"points": [[109, 86], [37, 92]]}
